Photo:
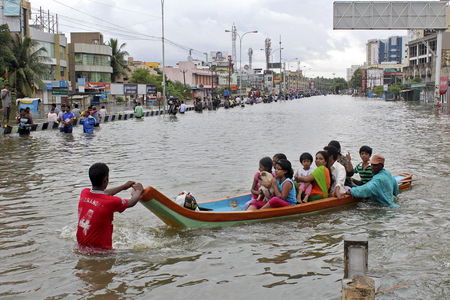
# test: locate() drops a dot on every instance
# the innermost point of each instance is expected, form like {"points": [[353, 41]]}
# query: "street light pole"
{"points": [[240, 54], [163, 53]]}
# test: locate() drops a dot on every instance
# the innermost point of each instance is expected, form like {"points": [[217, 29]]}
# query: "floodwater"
{"points": [[214, 154]]}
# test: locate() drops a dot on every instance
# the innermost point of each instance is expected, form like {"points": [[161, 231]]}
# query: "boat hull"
{"points": [[231, 210]]}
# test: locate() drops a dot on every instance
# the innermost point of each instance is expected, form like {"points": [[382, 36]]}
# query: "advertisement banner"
{"points": [[219, 56], [443, 85], [130, 89], [81, 81], [11, 8], [150, 89], [98, 85]]}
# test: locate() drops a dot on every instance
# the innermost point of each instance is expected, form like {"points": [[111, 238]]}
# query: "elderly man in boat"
{"points": [[382, 188]]}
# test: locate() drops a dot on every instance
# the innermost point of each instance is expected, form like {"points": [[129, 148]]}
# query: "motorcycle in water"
{"points": [[173, 106]]}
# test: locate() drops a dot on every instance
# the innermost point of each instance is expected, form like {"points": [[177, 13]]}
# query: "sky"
{"points": [[305, 27]]}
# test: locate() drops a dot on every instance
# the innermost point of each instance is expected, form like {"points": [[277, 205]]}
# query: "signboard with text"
{"points": [[219, 56], [98, 85], [130, 89], [11, 8], [150, 89]]}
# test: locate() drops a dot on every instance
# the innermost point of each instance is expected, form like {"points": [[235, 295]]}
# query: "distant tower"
{"points": [[268, 51], [233, 43], [250, 54]]}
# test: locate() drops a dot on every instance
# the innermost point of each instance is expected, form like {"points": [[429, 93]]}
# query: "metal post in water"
{"points": [[356, 284]]}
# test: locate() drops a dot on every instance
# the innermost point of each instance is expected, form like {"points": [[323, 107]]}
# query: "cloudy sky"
{"points": [[305, 27]]}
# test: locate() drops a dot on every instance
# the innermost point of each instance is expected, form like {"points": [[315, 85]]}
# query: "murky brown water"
{"points": [[214, 154]]}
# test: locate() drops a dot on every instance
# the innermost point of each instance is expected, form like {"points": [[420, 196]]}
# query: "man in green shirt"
{"points": [[138, 111]]}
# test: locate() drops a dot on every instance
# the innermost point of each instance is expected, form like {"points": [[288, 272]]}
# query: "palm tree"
{"points": [[118, 62], [26, 67]]}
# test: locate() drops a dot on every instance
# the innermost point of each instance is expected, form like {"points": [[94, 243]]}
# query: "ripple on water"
{"points": [[212, 155]]}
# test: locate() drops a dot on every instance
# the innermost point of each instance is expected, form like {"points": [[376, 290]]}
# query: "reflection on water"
{"points": [[214, 155]]}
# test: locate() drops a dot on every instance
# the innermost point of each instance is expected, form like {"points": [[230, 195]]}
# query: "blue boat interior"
{"points": [[239, 203]]}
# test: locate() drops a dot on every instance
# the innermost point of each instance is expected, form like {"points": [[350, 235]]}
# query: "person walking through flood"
{"points": [[97, 206]]}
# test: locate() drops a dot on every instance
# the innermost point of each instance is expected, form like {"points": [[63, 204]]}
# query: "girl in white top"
{"points": [[52, 116], [304, 188]]}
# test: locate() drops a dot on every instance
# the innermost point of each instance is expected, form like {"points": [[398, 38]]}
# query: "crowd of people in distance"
{"points": [[66, 117], [331, 177]]}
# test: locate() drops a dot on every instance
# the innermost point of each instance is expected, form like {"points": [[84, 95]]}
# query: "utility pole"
{"points": [[163, 53], [281, 70]]}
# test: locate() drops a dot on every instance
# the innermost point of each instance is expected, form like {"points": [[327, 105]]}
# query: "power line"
{"points": [[117, 27]]}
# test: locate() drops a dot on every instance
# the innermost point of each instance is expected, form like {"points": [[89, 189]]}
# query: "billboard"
{"points": [[393, 15], [150, 89], [130, 89], [219, 56], [98, 85], [11, 8], [275, 65]]}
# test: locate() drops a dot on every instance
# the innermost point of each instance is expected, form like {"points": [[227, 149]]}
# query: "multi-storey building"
{"points": [[89, 59], [388, 50]]}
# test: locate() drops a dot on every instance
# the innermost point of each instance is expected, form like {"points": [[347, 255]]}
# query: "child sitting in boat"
{"points": [[266, 192], [283, 186], [304, 188], [265, 164], [364, 169]]}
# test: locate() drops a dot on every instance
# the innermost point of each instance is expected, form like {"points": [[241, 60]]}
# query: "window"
{"points": [[432, 45], [422, 49], [92, 59], [413, 51]]}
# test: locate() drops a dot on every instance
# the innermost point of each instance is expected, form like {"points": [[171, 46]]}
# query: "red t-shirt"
{"points": [[95, 216]]}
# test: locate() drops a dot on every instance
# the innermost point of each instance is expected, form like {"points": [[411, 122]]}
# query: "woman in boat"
{"points": [[283, 186], [319, 178]]}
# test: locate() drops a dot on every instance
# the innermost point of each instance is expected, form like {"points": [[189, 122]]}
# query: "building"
{"points": [[389, 50], [16, 14], [419, 75], [201, 78], [294, 81], [89, 59], [372, 52], [351, 71], [134, 65]]}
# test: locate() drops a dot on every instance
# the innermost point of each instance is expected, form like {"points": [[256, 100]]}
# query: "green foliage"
{"points": [[26, 67], [356, 81], [120, 99], [178, 89], [143, 76], [118, 62], [395, 89], [339, 84], [5, 51], [417, 80], [378, 90]]}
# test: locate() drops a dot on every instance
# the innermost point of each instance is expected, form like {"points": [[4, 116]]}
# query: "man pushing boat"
{"points": [[97, 206], [382, 188]]}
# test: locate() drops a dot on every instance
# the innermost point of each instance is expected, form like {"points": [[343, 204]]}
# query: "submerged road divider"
{"points": [[109, 118]]}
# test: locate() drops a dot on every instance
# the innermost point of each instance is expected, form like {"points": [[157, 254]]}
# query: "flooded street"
{"points": [[212, 155]]}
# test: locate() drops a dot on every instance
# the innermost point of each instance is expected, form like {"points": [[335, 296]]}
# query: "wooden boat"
{"points": [[231, 210]]}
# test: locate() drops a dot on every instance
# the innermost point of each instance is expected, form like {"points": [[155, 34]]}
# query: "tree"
{"points": [[143, 76], [378, 90], [118, 62], [5, 51], [356, 81], [395, 89], [178, 89], [26, 67], [339, 84]]}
